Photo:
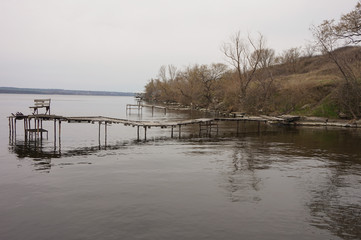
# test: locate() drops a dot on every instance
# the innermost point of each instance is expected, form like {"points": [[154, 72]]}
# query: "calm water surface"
{"points": [[296, 183]]}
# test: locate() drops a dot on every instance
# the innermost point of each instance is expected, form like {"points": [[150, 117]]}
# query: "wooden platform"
{"points": [[206, 125]]}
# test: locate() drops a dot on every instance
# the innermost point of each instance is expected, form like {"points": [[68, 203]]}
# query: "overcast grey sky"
{"points": [[118, 45]]}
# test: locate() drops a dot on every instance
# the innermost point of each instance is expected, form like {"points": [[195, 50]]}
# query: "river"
{"points": [[281, 183]]}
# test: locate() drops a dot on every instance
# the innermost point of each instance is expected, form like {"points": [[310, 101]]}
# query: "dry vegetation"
{"points": [[258, 82]]}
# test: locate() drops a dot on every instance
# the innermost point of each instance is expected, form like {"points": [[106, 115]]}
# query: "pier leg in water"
{"points": [[171, 135], [15, 130], [138, 133], [9, 129], [59, 135], [54, 134], [106, 133], [41, 127], [145, 133], [99, 134], [180, 131], [25, 130]]}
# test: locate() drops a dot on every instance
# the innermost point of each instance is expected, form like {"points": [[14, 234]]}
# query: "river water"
{"points": [[281, 183]]}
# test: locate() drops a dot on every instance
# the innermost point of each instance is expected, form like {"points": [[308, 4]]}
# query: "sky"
{"points": [[119, 45]]}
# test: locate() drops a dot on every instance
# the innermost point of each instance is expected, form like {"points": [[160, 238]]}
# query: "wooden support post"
{"points": [[99, 133], [41, 129], [59, 134], [105, 133], [180, 131], [217, 128], [38, 128], [165, 111], [145, 133], [171, 135], [54, 134], [15, 129], [10, 128], [137, 133], [152, 111], [25, 130], [259, 127]]}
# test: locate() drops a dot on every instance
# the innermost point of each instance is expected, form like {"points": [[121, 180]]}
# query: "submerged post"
{"points": [[25, 130], [99, 134], [54, 134], [105, 133], [137, 133], [145, 133], [59, 134], [15, 129], [9, 128]]}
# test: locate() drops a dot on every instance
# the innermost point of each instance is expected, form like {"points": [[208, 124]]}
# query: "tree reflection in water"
{"points": [[336, 205]]}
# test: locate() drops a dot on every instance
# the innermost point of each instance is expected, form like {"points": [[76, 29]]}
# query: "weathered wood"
{"points": [[41, 103], [208, 126]]}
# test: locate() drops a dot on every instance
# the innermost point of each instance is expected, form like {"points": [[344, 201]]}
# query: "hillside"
{"points": [[312, 89], [309, 86]]}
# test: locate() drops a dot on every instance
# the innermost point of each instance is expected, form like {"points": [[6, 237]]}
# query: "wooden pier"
{"points": [[139, 107], [33, 124]]}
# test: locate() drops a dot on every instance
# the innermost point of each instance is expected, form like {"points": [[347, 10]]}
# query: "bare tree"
{"points": [[329, 36], [209, 77], [291, 58], [264, 75], [349, 26], [245, 56]]}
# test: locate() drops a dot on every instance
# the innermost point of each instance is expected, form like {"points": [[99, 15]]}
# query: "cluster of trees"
{"points": [[247, 83], [332, 34]]}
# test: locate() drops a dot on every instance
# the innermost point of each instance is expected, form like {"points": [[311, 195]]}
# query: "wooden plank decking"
{"points": [[205, 124]]}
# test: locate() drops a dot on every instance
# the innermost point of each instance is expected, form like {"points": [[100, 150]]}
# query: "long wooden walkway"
{"points": [[33, 124]]}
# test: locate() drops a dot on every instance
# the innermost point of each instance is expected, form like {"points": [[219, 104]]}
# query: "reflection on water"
{"points": [[286, 183], [281, 173], [336, 204]]}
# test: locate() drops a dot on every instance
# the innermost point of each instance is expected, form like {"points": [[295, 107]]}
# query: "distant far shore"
{"points": [[15, 90]]}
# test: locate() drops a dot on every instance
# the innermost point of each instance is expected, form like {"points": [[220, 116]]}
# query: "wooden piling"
{"points": [[41, 127], [145, 133], [15, 128], [54, 134], [137, 133], [99, 133], [25, 130], [59, 134], [105, 133], [9, 128]]}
